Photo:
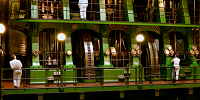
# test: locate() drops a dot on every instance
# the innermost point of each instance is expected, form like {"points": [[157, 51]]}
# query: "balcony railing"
{"points": [[121, 12], [56, 77]]}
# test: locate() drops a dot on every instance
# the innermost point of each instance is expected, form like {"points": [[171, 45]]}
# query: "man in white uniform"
{"points": [[83, 4], [176, 61], [16, 65]]}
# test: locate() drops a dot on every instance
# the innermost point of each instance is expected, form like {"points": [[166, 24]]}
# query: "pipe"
{"points": [[194, 13], [175, 41]]}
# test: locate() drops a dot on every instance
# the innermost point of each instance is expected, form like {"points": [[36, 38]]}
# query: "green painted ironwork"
{"points": [[166, 73], [130, 11], [40, 76], [35, 59], [111, 75], [161, 11], [66, 9], [69, 59], [136, 61], [97, 88], [102, 10], [184, 11], [34, 9], [194, 61], [103, 22], [106, 58]]}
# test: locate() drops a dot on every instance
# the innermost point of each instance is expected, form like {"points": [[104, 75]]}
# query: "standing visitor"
{"points": [[176, 61], [16, 65], [83, 4]]}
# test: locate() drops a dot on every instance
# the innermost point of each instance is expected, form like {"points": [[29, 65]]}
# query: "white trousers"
{"points": [[177, 69], [83, 12], [17, 77]]}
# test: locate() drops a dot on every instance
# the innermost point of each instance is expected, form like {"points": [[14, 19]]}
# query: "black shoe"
{"points": [[15, 86]]}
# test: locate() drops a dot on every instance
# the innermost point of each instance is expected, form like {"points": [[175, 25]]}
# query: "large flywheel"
{"points": [[89, 56]]}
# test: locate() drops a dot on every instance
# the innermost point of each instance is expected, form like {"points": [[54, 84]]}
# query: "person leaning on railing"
{"points": [[16, 65], [176, 61]]}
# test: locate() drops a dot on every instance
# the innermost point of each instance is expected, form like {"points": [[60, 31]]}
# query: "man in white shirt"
{"points": [[83, 4], [176, 61], [16, 65]]}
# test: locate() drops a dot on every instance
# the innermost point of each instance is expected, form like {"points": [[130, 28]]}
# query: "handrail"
{"points": [[101, 77], [59, 12]]}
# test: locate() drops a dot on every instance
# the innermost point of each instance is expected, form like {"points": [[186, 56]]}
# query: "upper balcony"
{"points": [[106, 11]]}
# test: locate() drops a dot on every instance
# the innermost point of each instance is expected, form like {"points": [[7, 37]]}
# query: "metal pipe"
{"points": [[120, 8], [173, 11], [120, 43], [195, 74], [175, 40], [116, 40], [91, 7], [140, 74], [140, 69], [61, 66], [194, 12], [1, 53]]}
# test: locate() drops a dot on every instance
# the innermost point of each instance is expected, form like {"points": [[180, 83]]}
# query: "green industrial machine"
{"points": [[104, 48]]}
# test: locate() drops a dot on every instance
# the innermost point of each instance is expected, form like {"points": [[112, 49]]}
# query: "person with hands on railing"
{"points": [[83, 4], [16, 65], [176, 61]]}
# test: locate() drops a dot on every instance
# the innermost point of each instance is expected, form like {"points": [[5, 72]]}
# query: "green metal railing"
{"points": [[61, 78]]}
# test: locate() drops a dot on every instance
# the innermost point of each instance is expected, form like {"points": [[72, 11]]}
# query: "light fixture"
{"points": [[169, 47], [194, 47], [113, 51], [35, 52], [171, 52], [107, 52], [2, 28], [167, 52], [139, 52], [69, 52], [133, 52], [137, 47], [196, 52], [140, 38], [136, 51], [191, 52], [61, 36]]}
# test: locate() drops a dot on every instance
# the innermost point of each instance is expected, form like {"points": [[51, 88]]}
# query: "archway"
{"points": [[181, 46], [119, 42], [49, 48], [86, 53], [152, 47]]}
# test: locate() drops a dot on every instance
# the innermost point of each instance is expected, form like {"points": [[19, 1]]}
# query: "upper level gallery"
{"points": [[117, 11]]}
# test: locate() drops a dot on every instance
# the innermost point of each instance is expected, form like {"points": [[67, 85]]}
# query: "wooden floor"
{"points": [[9, 84]]}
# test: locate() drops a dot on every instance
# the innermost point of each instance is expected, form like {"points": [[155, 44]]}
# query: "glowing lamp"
{"points": [[2, 28], [69, 52], [167, 52], [61, 36], [169, 47], [140, 38], [192, 52], [107, 52], [133, 52]]}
